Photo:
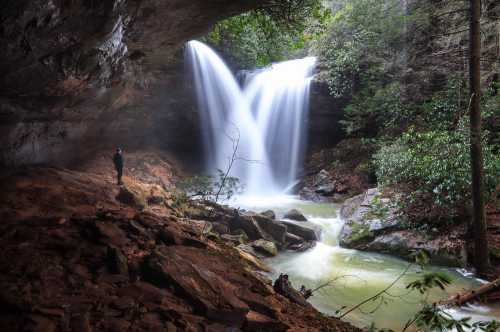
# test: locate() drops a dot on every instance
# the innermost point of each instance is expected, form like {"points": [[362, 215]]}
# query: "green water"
{"points": [[358, 275]]}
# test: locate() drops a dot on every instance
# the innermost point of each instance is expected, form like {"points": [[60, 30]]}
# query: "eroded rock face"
{"points": [[76, 75]]}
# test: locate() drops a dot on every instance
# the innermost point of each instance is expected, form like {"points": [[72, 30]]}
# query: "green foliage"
{"points": [[446, 107], [433, 318], [210, 187], [435, 163], [375, 107], [271, 34], [429, 281], [363, 36]]}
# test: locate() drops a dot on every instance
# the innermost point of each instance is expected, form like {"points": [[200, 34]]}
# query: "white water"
{"points": [[358, 274], [266, 117]]}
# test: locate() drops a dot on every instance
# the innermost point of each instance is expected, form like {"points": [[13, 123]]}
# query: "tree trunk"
{"points": [[461, 299], [481, 259]]}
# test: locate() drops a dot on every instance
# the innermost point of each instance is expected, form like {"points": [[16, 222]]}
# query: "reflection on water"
{"points": [[357, 275]]}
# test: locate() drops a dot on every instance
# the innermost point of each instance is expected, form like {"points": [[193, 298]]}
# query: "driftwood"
{"points": [[461, 299]]}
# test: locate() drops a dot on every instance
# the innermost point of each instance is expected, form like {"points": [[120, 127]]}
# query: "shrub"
{"points": [[435, 164]]}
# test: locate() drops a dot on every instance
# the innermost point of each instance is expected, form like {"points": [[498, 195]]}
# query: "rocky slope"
{"points": [[76, 256]]}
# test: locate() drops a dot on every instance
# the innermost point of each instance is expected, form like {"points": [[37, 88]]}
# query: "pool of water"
{"points": [[355, 275]]}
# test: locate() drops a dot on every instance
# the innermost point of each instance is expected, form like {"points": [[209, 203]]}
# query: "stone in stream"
{"points": [[295, 214], [268, 248], [269, 213], [306, 230]]}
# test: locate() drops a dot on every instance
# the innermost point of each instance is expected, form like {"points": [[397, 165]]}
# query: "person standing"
{"points": [[118, 161]]}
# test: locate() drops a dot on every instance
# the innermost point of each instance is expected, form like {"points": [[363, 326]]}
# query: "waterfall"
{"points": [[266, 117]]}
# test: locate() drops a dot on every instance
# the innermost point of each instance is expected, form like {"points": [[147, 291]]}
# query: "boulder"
{"points": [[268, 248], [306, 230], [303, 246], [234, 239], [367, 215], [295, 214], [271, 229], [269, 214], [405, 244], [326, 189], [293, 239], [248, 225]]}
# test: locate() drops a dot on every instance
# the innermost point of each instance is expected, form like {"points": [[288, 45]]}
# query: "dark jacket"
{"points": [[118, 160]]}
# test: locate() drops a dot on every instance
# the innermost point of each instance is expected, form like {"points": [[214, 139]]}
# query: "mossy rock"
{"points": [[356, 234]]}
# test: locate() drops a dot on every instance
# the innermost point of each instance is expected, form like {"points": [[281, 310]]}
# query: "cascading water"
{"points": [[266, 119]]}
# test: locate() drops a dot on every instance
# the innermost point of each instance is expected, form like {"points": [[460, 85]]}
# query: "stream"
{"points": [[359, 275]]}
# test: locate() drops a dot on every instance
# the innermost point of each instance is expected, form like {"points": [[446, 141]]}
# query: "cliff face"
{"points": [[438, 45], [77, 73]]}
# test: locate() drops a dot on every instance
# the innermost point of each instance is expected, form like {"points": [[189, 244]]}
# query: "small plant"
{"points": [[207, 187]]}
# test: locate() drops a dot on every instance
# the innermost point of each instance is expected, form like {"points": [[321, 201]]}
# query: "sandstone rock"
{"points": [[259, 322], [295, 214], [269, 214], [268, 248], [132, 197], [307, 231], [42, 324], [274, 229], [109, 232], [207, 292], [253, 260], [169, 237], [116, 261], [248, 225], [81, 323]]}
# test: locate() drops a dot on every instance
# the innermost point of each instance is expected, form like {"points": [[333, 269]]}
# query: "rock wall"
{"points": [[80, 75]]}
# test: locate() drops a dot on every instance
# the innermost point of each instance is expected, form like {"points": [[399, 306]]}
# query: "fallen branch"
{"points": [[461, 299]]}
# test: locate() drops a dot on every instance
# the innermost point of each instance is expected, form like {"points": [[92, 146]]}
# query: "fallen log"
{"points": [[461, 299]]}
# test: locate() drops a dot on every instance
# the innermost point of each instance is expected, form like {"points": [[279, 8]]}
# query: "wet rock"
{"points": [[326, 189], [268, 248], [291, 239], [367, 215], [269, 214], [303, 246], [116, 261], [295, 214], [307, 231], [271, 229], [248, 248], [252, 259], [234, 239], [248, 225]]}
